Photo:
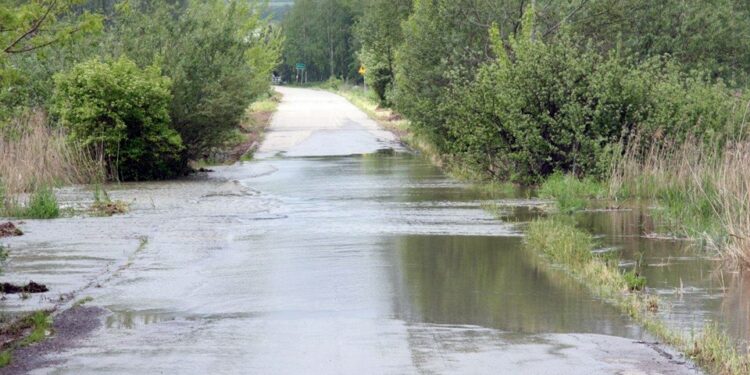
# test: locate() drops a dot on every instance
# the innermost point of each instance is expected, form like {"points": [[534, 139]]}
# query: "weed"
{"points": [[41, 323], [571, 193], [83, 301], [5, 357], [635, 281], [104, 206], [558, 239], [42, 205], [714, 349]]}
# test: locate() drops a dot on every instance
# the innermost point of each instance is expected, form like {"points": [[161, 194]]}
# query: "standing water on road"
{"points": [[326, 256]]}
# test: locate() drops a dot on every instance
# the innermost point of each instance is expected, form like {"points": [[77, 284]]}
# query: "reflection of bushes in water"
{"points": [[735, 306], [495, 281]]}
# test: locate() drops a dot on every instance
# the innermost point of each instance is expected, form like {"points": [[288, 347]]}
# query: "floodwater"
{"points": [[327, 256]]}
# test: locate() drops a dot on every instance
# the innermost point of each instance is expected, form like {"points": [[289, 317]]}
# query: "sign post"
{"points": [[301, 72], [362, 71]]}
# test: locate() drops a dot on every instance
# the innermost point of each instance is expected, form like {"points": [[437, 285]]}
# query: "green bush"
{"points": [[122, 112], [546, 107], [218, 54]]}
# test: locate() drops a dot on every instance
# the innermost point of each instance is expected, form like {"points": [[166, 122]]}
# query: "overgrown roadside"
{"points": [[558, 240], [245, 140]]}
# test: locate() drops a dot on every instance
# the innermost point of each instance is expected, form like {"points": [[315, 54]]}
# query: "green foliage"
{"points": [[42, 205], [319, 34], [5, 358], [571, 193], [634, 281], [699, 34], [561, 241], [379, 33], [41, 323], [218, 54], [122, 111], [332, 83], [546, 107], [26, 28]]}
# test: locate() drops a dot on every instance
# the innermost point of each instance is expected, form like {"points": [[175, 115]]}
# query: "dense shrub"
{"points": [[218, 54], [546, 107], [122, 112]]}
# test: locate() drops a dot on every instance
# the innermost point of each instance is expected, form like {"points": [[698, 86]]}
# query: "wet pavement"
{"points": [[321, 256]]}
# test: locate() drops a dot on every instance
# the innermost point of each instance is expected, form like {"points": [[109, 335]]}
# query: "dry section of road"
{"points": [[322, 257]]}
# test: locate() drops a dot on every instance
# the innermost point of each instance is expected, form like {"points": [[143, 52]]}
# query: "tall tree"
{"points": [[379, 33]]}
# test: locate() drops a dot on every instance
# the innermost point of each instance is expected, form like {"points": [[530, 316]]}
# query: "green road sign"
{"points": [[300, 66]]}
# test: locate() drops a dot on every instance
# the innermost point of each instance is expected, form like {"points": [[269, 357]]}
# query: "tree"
{"points": [[219, 55], [28, 27], [710, 35], [36, 24], [379, 33]]}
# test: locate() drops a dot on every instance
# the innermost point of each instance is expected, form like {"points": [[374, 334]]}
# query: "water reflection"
{"points": [[493, 282]]}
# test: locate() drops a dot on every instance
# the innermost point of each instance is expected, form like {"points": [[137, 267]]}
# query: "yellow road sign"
{"points": [[362, 70]]}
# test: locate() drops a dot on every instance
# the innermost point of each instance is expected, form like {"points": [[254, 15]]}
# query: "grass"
{"points": [[571, 193], [35, 155], [41, 325], [25, 331], [41, 204], [6, 357], [563, 244], [104, 206], [703, 191]]}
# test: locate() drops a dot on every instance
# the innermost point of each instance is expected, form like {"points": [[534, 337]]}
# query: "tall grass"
{"points": [[34, 157], [34, 154], [703, 191]]}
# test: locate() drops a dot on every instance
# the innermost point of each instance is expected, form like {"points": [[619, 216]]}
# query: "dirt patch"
{"points": [[9, 230], [31, 287], [68, 328]]}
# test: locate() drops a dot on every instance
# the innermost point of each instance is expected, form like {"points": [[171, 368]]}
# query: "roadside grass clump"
{"points": [[104, 206], [24, 331], [571, 193], [6, 356], [41, 325], [634, 281], [41, 204], [560, 241], [715, 350]]}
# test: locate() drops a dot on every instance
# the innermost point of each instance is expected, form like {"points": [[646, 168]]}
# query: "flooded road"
{"points": [[325, 255]]}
